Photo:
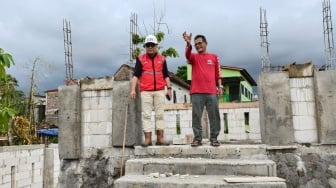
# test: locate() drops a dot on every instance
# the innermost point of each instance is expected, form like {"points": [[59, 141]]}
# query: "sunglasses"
{"points": [[150, 45]]}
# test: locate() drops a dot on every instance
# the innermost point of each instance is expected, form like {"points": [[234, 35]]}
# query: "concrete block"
{"points": [[23, 175], [99, 141], [179, 140], [36, 185], [24, 167], [6, 179], [104, 127], [134, 167], [6, 155], [7, 185], [304, 122], [306, 136], [36, 152], [34, 159], [11, 162]]}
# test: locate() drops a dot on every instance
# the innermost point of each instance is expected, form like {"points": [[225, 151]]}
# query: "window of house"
{"points": [[247, 122], [226, 124], [174, 96], [178, 124]]}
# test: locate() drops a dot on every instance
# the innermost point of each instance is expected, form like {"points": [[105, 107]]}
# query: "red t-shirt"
{"points": [[205, 72]]}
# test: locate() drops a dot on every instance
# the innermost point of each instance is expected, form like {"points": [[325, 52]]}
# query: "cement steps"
{"points": [[232, 151], [199, 181], [183, 166], [200, 166]]}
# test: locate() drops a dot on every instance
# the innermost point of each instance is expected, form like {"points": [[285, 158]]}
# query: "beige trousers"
{"points": [[152, 100]]}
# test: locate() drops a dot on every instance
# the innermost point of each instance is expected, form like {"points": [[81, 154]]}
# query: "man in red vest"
{"points": [[152, 74]]}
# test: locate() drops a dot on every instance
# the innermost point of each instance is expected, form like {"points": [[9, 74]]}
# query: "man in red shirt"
{"points": [[206, 84]]}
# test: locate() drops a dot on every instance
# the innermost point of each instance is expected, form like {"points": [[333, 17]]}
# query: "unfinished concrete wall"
{"points": [[325, 89], [126, 112], [231, 113], [69, 122], [243, 123], [276, 121], [29, 166], [298, 110]]}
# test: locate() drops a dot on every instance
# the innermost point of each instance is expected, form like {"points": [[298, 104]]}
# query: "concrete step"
{"points": [[198, 181], [200, 166], [233, 151]]}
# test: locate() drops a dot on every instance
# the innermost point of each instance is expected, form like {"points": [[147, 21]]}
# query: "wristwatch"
{"points": [[169, 88], [221, 86]]}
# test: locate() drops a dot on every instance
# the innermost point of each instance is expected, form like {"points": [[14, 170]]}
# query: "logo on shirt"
{"points": [[209, 62]]}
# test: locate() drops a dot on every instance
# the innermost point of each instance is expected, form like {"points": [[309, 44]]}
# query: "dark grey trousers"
{"points": [[210, 101]]}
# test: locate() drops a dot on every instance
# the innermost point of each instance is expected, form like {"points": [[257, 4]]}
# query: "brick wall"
{"points": [[52, 107]]}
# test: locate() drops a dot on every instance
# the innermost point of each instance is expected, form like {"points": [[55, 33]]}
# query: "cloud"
{"points": [[100, 33]]}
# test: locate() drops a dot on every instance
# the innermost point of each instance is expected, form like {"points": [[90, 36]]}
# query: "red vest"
{"points": [[151, 78]]}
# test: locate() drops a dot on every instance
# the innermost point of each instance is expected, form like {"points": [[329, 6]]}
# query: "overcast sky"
{"points": [[101, 33]]}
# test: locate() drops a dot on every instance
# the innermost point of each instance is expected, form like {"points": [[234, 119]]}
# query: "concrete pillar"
{"points": [[325, 90], [276, 122], [69, 115], [121, 99], [48, 168]]}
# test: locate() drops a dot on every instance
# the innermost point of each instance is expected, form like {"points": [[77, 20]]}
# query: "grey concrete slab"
{"points": [[205, 151], [196, 181], [325, 92], [69, 115], [126, 113], [48, 170], [201, 166], [276, 121]]}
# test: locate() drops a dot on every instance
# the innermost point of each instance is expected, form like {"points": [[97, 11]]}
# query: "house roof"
{"points": [[175, 79], [243, 72]]}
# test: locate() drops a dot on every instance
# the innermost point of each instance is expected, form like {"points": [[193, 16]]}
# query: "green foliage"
{"points": [[182, 72], [137, 39], [5, 116], [6, 111], [136, 52], [170, 52], [6, 60], [160, 36]]}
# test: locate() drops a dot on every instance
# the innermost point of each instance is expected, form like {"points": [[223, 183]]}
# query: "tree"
{"points": [[6, 60], [11, 97], [182, 72], [6, 112]]}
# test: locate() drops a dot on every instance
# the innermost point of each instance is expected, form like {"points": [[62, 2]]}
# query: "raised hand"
{"points": [[187, 37]]}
